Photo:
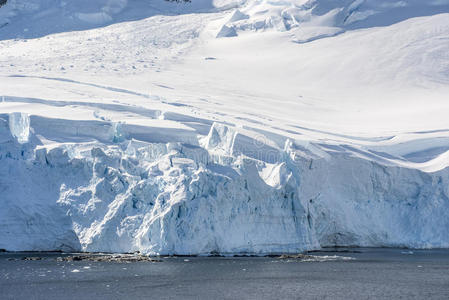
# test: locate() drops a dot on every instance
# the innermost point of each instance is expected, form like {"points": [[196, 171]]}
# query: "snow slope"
{"points": [[223, 126]]}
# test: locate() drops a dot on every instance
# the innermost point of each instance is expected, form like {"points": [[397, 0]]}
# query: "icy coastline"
{"points": [[230, 193], [223, 127]]}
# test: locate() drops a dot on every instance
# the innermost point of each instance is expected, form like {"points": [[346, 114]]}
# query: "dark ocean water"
{"points": [[370, 274]]}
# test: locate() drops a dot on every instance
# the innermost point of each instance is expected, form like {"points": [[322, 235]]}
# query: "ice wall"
{"points": [[173, 198]]}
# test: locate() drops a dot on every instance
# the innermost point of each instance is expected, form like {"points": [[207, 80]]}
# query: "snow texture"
{"points": [[137, 126]]}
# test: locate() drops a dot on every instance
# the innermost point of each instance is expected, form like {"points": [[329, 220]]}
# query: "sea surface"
{"points": [[333, 274]]}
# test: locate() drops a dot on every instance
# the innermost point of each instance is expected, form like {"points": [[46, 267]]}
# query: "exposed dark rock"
{"points": [[296, 256], [31, 258], [109, 258]]}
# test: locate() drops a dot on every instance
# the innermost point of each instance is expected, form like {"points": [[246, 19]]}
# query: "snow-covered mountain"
{"points": [[224, 126]]}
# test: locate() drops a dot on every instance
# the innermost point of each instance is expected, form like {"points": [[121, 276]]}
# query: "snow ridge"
{"points": [[313, 19]]}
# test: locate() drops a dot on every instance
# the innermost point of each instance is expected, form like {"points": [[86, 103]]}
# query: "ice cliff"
{"points": [[230, 193]]}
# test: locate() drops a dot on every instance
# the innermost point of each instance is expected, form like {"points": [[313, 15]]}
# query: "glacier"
{"points": [[234, 195], [223, 127]]}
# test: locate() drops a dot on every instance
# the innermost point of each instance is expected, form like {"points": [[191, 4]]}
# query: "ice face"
{"points": [[169, 199], [19, 125], [117, 133]]}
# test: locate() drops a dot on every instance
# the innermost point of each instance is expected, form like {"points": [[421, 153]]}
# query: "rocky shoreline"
{"points": [[136, 257], [121, 258]]}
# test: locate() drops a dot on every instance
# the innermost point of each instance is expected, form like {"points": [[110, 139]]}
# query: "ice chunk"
{"points": [[220, 138], [237, 16], [274, 175], [117, 133], [19, 125], [226, 31]]}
